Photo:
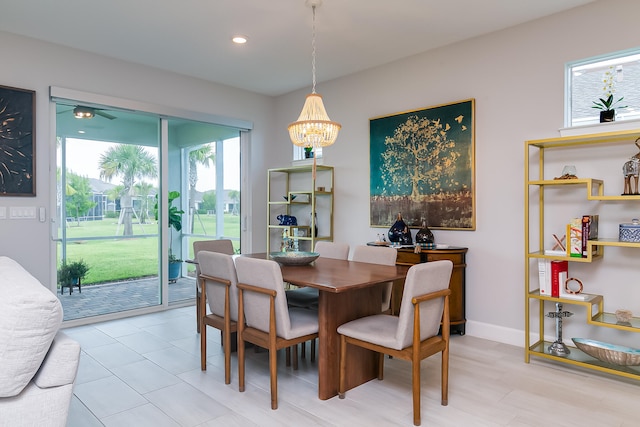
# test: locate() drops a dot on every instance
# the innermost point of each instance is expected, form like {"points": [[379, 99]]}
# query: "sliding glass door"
{"points": [[118, 173]]}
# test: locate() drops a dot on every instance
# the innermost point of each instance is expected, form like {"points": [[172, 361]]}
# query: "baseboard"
{"points": [[496, 333]]}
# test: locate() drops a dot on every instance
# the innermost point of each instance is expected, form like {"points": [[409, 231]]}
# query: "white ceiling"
{"points": [[192, 37]]}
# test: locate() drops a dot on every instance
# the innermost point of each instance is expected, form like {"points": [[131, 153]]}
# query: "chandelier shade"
{"points": [[313, 128]]}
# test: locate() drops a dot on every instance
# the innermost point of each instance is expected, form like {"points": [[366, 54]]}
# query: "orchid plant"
{"points": [[608, 103]]}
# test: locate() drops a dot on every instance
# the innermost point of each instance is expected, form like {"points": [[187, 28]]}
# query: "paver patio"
{"points": [[121, 296]]}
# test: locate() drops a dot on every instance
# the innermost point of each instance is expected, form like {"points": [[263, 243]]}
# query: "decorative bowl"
{"points": [[294, 258], [610, 353]]}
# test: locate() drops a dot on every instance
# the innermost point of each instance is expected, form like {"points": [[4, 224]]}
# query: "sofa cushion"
{"points": [[30, 316]]}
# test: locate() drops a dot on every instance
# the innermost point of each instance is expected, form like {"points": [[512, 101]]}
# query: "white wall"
{"points": [[34, 65], [517, 79]]}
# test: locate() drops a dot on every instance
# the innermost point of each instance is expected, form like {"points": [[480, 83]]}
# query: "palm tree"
{"points": [[204, 156], [143, 190], [132, 163]]}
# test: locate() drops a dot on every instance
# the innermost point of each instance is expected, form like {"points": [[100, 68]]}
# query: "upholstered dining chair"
{"points": [[218, 281], [378, 255], [224, 246], [268, 321], [308, 297], [413, 335]]}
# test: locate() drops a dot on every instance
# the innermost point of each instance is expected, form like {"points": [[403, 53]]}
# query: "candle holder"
{"points": [[558, 348]]}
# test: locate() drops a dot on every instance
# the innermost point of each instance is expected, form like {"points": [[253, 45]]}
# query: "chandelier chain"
{"points": [[313, 50]]}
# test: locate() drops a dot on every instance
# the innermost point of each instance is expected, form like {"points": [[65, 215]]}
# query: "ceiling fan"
{"points": [[82, 112]]}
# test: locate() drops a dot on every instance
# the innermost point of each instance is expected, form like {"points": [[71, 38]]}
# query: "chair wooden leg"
{"points": [[273, 373], [380, 366], [303, 350], [313, 350], [198, 311], [342, 370], [415, 380], [287, 356], [227, 356], [203, 346], [240, 362], [445, 377]]}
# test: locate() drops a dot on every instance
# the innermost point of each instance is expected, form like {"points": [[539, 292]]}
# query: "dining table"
{"points": [[348, 290]]}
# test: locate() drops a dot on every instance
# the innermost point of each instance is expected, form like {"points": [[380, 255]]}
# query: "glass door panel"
{"points": [[107, 181]]}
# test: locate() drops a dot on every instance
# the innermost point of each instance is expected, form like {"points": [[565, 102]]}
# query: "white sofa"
{"points": [[38, 364]]}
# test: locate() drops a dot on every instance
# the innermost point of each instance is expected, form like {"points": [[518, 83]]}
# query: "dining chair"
{"points": [[378, 255], [218, 281], [413, 335], [224, 246], [268, 321], [308, 297]]}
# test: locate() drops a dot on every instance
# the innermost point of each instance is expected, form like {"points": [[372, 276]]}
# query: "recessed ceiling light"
{"points": [[239, 39]]}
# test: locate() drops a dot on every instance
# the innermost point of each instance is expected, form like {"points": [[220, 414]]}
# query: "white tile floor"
{"points": [[145, 371]]}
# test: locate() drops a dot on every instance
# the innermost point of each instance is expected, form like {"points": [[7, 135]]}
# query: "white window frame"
{"points": [[617, 60]]}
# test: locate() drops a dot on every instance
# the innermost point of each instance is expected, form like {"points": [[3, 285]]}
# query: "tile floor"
{"points": [[145, 371]]}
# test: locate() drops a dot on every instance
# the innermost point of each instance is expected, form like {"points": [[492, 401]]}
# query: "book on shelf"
{"points": [[589, 232], [544, 276], [574, 238], [558, 268]]}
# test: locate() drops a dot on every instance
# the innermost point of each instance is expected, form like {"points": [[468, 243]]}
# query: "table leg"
{"points": [[334, 309]]}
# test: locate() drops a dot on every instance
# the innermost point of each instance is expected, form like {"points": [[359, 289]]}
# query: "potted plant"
{"points": [[607, 105], [308, 152], [71, 273], [175, 222]]}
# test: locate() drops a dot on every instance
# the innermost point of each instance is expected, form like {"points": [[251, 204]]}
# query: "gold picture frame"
{"points": [[422, 165]]}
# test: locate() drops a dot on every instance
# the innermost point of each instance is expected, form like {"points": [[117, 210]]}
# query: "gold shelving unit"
{"points": [[312, 194], [594, 191]]}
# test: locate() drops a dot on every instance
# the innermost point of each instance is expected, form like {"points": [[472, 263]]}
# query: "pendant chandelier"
{"points": [[313, 128]]}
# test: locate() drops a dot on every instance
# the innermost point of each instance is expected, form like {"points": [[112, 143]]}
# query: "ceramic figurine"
{"points": [[400, 233], [424, 235]]}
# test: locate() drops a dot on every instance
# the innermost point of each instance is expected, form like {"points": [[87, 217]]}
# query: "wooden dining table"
{"points": [[348, 290]]}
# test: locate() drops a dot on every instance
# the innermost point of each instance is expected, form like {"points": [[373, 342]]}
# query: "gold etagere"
{"points": [[593, 304], [295, 191]]}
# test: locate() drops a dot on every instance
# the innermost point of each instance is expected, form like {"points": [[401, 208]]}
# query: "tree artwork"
{"points": [[419, 154], [421, 165]]}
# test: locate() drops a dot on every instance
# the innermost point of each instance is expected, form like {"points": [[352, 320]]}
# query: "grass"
{"points": [[114, 259]]}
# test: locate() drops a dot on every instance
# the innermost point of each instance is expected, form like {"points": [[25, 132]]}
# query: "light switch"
{"points": [[22, 212]]}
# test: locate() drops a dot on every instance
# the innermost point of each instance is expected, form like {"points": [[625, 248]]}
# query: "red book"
{"points": [[557, 268]]}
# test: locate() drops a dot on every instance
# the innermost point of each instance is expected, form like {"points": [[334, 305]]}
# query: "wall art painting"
{"points": [[17, 142], [422, 166]]}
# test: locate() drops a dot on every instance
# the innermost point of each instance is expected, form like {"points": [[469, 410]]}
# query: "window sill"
{"points": [[303, 162], [600, 127]]}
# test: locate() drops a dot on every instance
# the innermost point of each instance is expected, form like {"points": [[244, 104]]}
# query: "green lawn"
{"points": [[125, 258]]}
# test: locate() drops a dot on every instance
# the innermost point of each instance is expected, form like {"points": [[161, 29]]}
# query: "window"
{"points": [[299, 153], [590, 79]]}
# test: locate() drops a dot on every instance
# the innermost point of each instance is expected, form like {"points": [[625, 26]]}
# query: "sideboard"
{"points": [[407, 256]]}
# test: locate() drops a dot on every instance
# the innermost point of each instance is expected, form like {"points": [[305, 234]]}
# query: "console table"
{"points": [[406, 256]]}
